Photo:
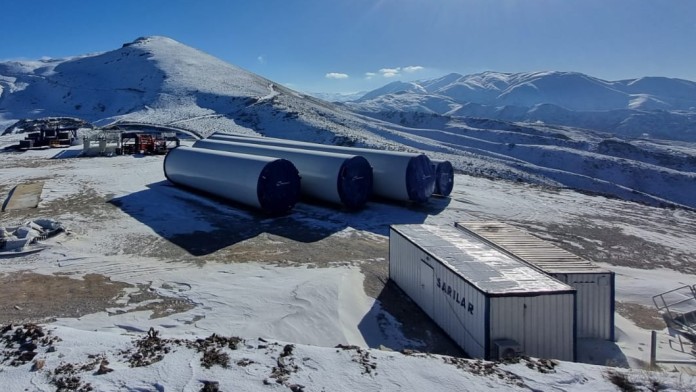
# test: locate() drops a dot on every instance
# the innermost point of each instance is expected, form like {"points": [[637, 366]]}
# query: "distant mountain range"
{"points": [[338, 97], [655, 107], [160, 81]]}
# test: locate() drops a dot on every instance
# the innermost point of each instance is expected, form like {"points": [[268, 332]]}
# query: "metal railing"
{"points": [[678, 308]]}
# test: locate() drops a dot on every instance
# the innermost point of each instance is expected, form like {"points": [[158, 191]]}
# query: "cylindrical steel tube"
{"points": [[270, 184], [397, 175]]}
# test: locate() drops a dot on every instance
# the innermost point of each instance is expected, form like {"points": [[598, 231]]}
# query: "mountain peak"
{"points": [[149, 72], [151, 39], [393, 88]]}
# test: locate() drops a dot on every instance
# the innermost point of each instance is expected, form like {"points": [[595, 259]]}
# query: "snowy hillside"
{"points": [[645, 171], [157, 288], [161, 81], [657, 106], [240, 301]]}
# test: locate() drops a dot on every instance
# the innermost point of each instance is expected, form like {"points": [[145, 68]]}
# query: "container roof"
{"points": [[533, 250], [479, 263]]}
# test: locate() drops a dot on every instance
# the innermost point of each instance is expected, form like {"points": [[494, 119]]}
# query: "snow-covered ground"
{"points": [[160, 81], [272, 286], [188, 266]]}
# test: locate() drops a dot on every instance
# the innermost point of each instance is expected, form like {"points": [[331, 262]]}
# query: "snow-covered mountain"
{"points": [[337, 97], [655, 106], [161, 81], [299, 302]]}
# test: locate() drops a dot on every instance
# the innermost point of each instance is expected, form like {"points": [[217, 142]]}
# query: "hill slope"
{"points": [[656, 106], [161, 81]]}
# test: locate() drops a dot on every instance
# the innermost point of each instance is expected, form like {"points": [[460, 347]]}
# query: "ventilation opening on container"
{"points": [[420, 179], [355, 182], [506, 349], [278, 187]]}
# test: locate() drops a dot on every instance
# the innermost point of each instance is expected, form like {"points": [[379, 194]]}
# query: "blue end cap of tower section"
{"points": [[420, 179], [278, 187], [354, 182], [444, 178]]}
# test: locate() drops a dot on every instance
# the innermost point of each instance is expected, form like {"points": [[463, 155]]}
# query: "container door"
{"points": [[427, 285]]}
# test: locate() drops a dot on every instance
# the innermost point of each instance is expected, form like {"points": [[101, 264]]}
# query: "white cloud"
{"points": [[390, 72], [336, 75], [394, 72], [413, 68], [261, 59]]}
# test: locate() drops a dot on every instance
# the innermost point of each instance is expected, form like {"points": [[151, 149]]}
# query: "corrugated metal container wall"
{"points": [[595, 286], [526, 320], [595, 303], [461, 310], [426, 280], [501, 298], [408, 271]]}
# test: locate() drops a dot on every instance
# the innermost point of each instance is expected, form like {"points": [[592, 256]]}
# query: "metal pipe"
{"points": [[336, 178], [397, 175], [270, 184], [653, 349]]}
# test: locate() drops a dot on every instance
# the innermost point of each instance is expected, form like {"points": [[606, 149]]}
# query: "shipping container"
{"points": [[594, 285], [492, 305]]}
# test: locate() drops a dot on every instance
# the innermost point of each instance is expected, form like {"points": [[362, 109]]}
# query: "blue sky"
{"points": [[357, 45]]}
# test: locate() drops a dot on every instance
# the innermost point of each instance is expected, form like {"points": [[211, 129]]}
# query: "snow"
{"points": [[301, 279], [313, 308], [254, 365], [158, 80], [664, 106]]}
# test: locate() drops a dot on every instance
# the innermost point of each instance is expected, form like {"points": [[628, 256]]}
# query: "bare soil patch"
{"points": [[30, 297], [642, 316], [88, 203]]}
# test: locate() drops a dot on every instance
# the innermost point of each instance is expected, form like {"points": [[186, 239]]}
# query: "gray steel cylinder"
{"points": [[270, 184], [397, 175], [336, 178]]}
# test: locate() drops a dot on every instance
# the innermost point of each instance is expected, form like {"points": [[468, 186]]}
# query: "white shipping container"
{"points": [[595, 285], [485, 300]]}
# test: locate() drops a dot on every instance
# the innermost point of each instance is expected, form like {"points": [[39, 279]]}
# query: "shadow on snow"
{"points": [[202, 224]]}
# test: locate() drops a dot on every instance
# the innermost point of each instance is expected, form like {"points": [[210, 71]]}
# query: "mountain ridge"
{"points": [[657, 107], [161, 81]]}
